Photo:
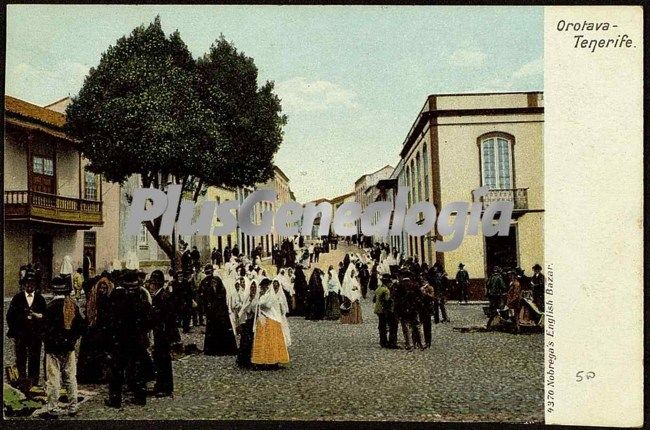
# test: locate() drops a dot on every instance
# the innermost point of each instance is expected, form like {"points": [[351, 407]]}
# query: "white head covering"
{"points": [[283, 309], [331, 283], [132, 261], [350, 287], [248, 304], [66, 266], [285, 282], [268, 306]]}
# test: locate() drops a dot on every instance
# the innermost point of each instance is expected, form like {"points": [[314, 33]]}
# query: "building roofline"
{"points": [[486, 93], [284, 175], [370, 174], [57, 101], [343, 196], [29, 115], [424, 116]]}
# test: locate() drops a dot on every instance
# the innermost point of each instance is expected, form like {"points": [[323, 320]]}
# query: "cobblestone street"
{"points": [[339, 372]]}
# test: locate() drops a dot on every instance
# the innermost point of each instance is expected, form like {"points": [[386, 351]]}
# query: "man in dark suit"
{"points": [[25, 323], [128, 328], [164, 334]]}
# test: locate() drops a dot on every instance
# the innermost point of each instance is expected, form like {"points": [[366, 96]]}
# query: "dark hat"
{"points": [[60, 285], [461, 265], [157, 276], [30, 275], [537, 267], [130, 278], [208, 269], [405, 273], [386, 277]]}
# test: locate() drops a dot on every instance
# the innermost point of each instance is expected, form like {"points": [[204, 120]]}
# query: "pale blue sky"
{"points": [[352, 79]]}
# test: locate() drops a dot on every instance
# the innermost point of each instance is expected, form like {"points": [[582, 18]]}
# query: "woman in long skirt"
{"points": [[300, 289], [351, 291], [269, 346], [283, 310], [315, 309], [93, 354], [333, 289], [219, 332]]}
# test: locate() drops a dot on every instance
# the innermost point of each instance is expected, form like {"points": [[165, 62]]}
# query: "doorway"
{"points": [[501, 251], [42, 256]]}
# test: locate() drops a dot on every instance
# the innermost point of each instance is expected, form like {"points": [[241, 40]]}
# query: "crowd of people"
{"points": [[130, 324]]}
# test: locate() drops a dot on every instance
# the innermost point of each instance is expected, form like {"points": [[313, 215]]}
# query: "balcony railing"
{"points": [[519, 196], [37, 206]]}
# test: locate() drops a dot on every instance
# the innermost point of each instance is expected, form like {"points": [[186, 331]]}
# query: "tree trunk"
{"points": [[164, 244]]}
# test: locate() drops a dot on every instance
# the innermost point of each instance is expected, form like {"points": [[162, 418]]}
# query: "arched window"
{"points": [[496, 161]]}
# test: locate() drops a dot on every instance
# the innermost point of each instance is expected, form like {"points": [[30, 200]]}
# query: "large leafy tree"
{"points": [[150, 109]]}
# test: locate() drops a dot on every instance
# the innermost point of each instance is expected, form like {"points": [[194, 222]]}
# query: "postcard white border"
{"points": [[594, 218]]}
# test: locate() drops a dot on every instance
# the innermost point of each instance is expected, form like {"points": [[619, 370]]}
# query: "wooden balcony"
{"points": [[53, 209], [519, 196]]}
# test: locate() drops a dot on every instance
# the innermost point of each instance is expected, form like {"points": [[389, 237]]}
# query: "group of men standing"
{"points": [[59, 324], [409, 300]]}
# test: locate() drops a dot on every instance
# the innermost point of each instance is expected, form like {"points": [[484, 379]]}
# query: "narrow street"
{"points": [[339, 372]]}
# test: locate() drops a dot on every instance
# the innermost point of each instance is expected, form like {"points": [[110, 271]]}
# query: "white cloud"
{"points": [[468, 58], [299, 93], [58, 81], [531, 68], [519, 80]]}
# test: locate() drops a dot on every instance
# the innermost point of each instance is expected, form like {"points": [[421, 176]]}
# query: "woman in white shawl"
{"points": [[269, 346], [351, 291], [66, 271], [283, 309], [332, 292], [246, 322], [287, 286]]}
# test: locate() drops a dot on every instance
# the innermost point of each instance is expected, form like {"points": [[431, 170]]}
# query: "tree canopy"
{"points": [[150, 109]]}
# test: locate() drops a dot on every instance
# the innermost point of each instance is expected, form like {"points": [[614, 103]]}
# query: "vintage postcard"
{"points": [[323, 214]]}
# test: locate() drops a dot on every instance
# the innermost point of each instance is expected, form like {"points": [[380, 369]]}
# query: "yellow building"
{"points": [[53, 207], [460, 142], [280, 184], [220, 195]]}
